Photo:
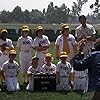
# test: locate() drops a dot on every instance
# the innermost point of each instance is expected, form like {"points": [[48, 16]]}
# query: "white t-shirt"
{"points": [[41, 42], [71, 42], [64, 69], [8, 42], [49, 69], [25, 44], [10, 69], [83, 32]]}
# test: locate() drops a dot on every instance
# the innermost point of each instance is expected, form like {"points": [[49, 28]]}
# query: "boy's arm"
{"points": [[57, 78], [2, 74]]}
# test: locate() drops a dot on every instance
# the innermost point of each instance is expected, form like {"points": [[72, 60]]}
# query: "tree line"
{"points": [[53, 14]]}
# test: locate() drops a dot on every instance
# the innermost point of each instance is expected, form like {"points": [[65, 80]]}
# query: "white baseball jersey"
{"points": [[34, 70], [83, 32], [71, 42], [25, 44], [4, 57], [10, 69], [8, 42], [81, 80], [64, 69], [49, 69], [41, 42], [81, 74]]}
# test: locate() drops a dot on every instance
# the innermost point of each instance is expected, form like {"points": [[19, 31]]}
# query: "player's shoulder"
{"points": [[68, 63], [15, 62], [78, 27], [8, 40], [20, 38], [60, 36], [30, 68], [89, 25], [29, 37], [44, 65], [59, 63], [53, 65], [44, 36], [6, 63], [71, 36]]}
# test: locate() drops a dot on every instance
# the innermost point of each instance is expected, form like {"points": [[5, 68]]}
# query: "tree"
{"points": [[95, 7], [26, 16], [17, 14], [77, 7]]}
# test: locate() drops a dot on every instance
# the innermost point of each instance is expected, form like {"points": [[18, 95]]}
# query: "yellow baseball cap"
{"points": [[12, 52], [48, 55], [35, 57], [4, 31], [25, 29], [63, 54], [39, 28], [64, 26], [25, 26]]}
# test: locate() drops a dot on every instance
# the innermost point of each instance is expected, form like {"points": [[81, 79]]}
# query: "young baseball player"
{"points": [[49, 67], [41, 44], [4, 57], [64, 73], [9, 72], [81, 80], [24, 44], [4, 40], [33, 69]]}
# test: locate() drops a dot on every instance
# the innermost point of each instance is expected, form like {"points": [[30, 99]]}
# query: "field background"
{"points": [[42, 95]]}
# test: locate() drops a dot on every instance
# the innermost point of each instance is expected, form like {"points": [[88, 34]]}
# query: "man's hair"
{"points": [[82, 16]]}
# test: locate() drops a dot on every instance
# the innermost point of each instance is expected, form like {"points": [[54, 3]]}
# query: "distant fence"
{"points": [[52, 35]]}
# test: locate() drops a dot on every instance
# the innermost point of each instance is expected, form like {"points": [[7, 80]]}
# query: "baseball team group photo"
{"points": [[51, 54]]}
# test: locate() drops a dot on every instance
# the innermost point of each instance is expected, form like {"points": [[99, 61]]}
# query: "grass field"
{"points": [[43, 95]]}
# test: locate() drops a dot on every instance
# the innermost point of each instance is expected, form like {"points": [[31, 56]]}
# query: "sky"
{"points": [[9, 5]]}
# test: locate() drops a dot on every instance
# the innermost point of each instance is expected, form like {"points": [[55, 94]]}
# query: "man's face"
{"points": [[25, 33], [66, 32], [82, 20], [4, 36], [40, 33]]}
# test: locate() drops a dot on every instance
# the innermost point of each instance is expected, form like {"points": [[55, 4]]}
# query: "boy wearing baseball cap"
{"points": [[24, 45], [49, 67], [9, 72], [64, 73], [33, 69], [41, 44]]}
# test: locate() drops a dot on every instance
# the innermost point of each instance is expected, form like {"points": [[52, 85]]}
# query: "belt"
{"points": [[81, 77], [64, 76], [25, 50], [10, 76]]}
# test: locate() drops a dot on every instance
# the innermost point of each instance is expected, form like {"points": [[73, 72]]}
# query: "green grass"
{"points": [[24, 95]]}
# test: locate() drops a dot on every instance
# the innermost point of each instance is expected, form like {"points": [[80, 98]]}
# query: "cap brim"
{"points": [[35, 58], [25, 30], [63, 56]]}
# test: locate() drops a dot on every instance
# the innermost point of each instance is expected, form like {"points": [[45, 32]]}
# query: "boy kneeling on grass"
{"points": [[9, 72], [33, 69], [49, 67], [64, 73]]}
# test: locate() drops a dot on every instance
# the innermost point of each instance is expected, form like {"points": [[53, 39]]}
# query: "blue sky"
{"points": [[40, 4]]}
